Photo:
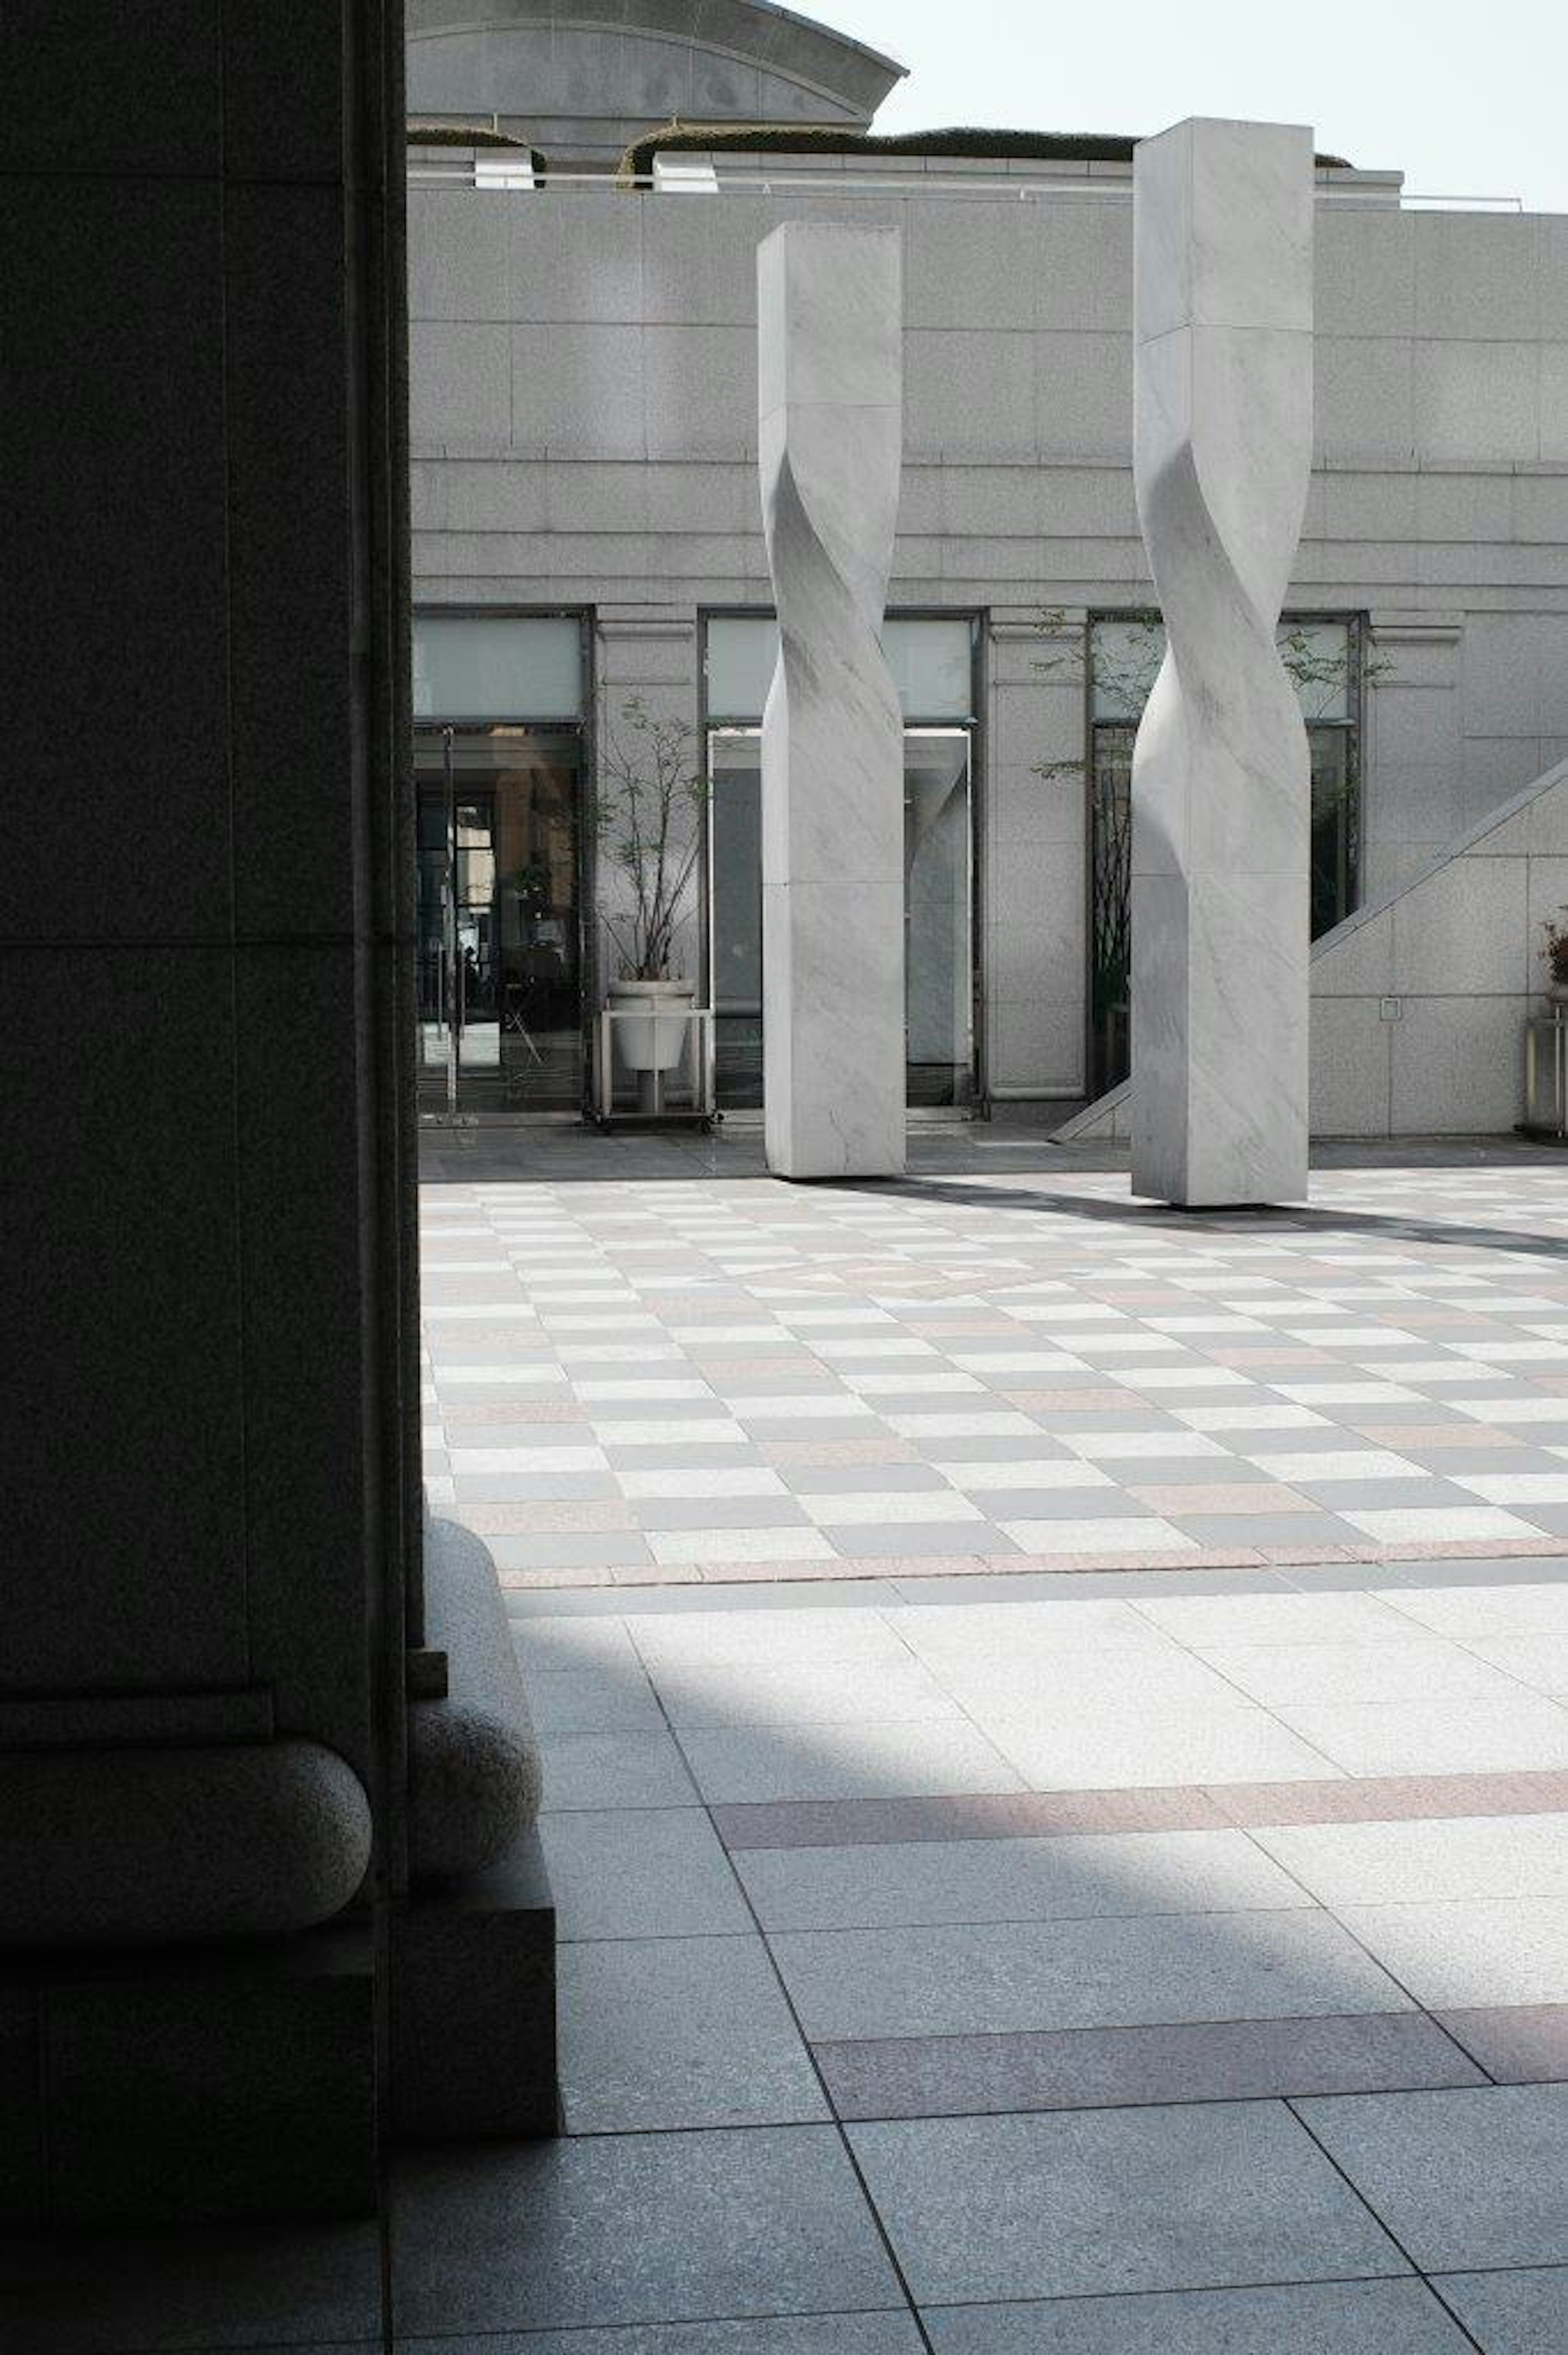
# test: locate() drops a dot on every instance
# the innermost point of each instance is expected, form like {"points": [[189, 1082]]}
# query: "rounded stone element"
{"points": [[474, 1778], [132, 1847]]}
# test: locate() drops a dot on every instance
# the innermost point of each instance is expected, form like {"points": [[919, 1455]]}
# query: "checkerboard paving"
{"points": [[724, 1379]]}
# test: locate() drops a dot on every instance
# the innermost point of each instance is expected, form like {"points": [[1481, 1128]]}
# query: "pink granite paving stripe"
{"points": [[1000, 1814], [1374, 1798], [1045, 1814], [532, 1580], [1208, 2061], [1517, 2044], [492, 1413]]}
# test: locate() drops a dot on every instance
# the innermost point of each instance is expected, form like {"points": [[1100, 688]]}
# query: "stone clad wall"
{"points": [[206, 1537], [584, 400], [1419, 1000]]}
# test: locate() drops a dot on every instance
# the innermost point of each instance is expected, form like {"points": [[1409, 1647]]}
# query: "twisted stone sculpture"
{"points": [[1221, 798], [829, 430]]}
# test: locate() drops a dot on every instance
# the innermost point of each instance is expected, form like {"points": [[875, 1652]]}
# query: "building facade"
{"points": [[588, 545]]}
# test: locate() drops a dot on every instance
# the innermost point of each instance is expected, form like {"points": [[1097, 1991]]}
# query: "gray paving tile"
{"points": [[1296, 1529], [869, 1760], [678, 2032], [1444, 1859], [809, 2334], [1463, 2179], [593, 1700], [997, 1684], [1011, 1880], [1523, 2313], [1438, 1737], [613, 1770], [1282, 1675], [634, 2228], [598, 1549], [1471, 1950], [1122, 1972], [1519, 2044], [222, 2286], [555, 1633], [641, 1872], [1109, 1746], [1075, 2203], [1350, 2317], [853, 1479], [747, 1693], [1067, 2068], [719, 1513]]}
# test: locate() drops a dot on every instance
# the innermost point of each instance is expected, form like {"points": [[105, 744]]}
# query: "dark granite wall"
{"points": [[206, 1282]]}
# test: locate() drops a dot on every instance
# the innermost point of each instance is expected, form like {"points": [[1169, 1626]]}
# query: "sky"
{"points": [[1467, 100]]}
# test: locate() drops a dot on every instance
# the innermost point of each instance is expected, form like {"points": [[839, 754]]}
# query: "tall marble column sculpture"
{"points": [[829, 420], [1220, 779]]}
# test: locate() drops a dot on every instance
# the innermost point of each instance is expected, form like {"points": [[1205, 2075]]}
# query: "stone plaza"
{"points": [[786, 1551], [963, 1946]]}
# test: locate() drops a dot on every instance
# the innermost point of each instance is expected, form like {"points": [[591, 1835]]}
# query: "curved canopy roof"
{"points": [[636, 63]]}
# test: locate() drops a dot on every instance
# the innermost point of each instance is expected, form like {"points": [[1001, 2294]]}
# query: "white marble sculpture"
{"points": [[1223, 324], [830, 429]]}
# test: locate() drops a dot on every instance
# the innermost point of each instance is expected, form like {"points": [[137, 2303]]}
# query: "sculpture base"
{"points": [[473, 2004]]}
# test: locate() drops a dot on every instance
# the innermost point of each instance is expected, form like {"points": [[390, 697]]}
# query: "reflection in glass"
{"points": [[515, 991], [937, 903], [1323, 660], [939, 993], [734, 901]]}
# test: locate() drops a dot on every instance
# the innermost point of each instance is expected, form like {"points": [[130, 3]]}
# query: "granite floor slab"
{"points": [[1517, 2044], [641, 1872], [1075, 2203], [1350, 2318], [1084, 2069], [861, 1759], [1021, 1350], [1517, 2312], [1454, 1857], [1012, 1880], [1473, 1950], [670, 2032], [1462, 2180], [1116, 1973], [800, 2334], [634, 2228]]}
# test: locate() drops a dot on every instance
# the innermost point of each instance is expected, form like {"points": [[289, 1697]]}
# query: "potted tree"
{"points": [[648, 818], [1557, 957]]}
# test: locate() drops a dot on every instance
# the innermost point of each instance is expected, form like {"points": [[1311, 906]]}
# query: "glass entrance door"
{"points": [[939, 868], [938, 897], [500, 919]]}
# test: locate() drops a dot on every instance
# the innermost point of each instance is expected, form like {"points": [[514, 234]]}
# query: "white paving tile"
{"points": [[1437, 1524], [672, 1547], [1113, 1535]]}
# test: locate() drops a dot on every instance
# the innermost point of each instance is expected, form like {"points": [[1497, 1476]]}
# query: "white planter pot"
{"points": [[652, 1022]]}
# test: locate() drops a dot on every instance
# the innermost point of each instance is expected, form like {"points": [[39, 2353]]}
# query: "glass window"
{"points": [[1125, 658], [1323, 660], [501, 944], [931, 658], [937, 898], [742, 650], [932, 664], [497, 666]]}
